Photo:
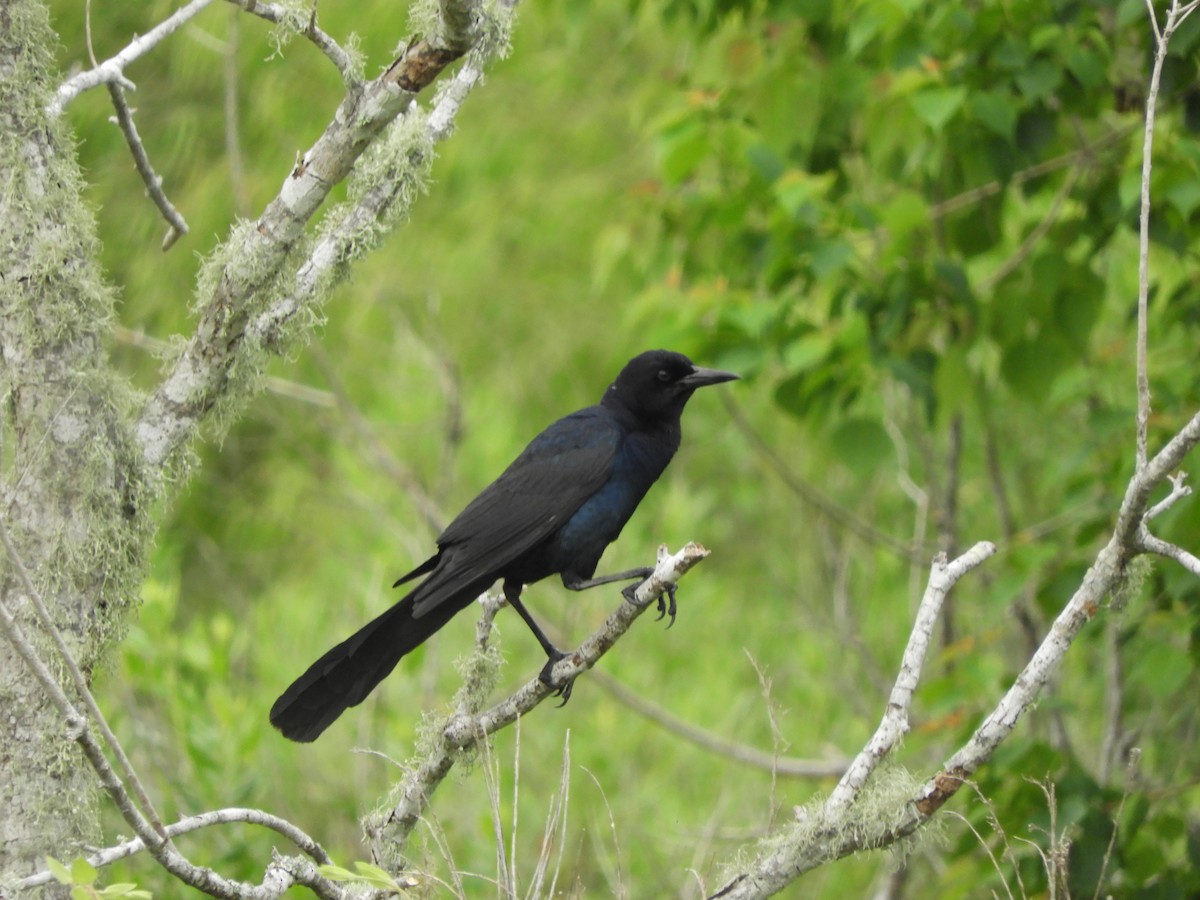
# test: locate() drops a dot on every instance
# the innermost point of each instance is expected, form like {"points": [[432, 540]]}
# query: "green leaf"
{"points": [[123, 889], [862, 444], [795, 189], [681, 148], [60, 872], [1184, 196], [1030, 367], [1039, 80], [1088, 66], [806, 351], [997, 111], [906, 211], [1077, 308], [335, 873], [375, 873], [937, 106], [82, 871]]}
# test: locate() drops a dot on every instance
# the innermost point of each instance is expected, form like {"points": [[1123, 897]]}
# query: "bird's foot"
{"points": [[665, 607], [546, 677]]}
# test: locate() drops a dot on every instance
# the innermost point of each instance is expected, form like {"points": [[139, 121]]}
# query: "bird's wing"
{"points": [[560, 469]]}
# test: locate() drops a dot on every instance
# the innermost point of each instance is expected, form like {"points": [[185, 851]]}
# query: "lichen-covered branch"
{"points": [[229, 816], [258, 274], [81, 476], [835, 830], [389, 829], [279, 15]]}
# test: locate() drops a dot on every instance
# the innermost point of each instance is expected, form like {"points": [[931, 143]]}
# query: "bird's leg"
{"points": [[512, 593], [629, 593], [579, 584]]}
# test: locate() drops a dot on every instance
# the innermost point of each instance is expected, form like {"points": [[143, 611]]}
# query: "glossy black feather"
{"points": [[553, 511]]}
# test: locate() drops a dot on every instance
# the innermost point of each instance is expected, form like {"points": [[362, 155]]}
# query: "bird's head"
{"points": [[656, 385]]}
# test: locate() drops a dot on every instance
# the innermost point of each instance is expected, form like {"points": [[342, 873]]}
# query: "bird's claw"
{"points": [[665, 607], [546, 677]]}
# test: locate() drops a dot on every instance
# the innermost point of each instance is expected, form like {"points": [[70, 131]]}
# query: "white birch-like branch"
{"points": [[833, 834], [332, 248], [112, 70], [466, 728], [894, 726], [1159, 547], [1162, 37]]}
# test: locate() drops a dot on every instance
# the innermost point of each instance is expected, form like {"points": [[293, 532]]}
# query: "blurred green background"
{"points": [[910, 225]]}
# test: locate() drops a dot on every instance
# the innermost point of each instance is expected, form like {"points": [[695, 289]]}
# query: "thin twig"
{"points": [[1143, 378], [785, 766], [233, 141], [813, 497], [142, 162], [274, 13], [974, 195], [112, 70], [1162, 37], [1179, 490], [1114, 701], [110, 855], [1027, 246], [1159, 547]]}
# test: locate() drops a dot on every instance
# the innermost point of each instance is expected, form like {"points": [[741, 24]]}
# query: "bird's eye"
{"points": [[664, 376]]}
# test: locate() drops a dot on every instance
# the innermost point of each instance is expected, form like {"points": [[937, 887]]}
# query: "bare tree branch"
{"points": [[784, 766], [126, 849], [141, 161], [942, 577], [1175, 16], [831, 833], [388, 831], [112, 70], [276, 14], [241, 313], [293, 390], [1151, 544], [144, 821]]}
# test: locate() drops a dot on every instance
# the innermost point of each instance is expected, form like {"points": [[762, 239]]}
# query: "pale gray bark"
{"points": [[70, 484], [82, 457]]}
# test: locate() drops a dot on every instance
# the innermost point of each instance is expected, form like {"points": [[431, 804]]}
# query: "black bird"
{"points": [[553, 511]]}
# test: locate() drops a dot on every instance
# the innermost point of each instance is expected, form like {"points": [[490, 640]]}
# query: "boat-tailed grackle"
{"points": [[553, 511]]}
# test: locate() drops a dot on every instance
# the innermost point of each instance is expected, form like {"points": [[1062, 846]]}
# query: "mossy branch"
{"points": [[265, 277], [457, 737]]}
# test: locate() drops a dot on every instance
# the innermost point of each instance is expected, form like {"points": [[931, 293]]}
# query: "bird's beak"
{"points": [[703, 377]]}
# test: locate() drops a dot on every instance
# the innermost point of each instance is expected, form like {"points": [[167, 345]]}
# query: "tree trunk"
{"points": [[71, 485]]}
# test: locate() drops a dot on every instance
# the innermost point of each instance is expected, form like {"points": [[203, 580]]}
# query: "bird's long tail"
{"points": [[345, 675]]}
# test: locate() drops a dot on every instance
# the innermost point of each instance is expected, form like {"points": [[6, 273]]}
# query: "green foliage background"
{"points": [[911, 225]]}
